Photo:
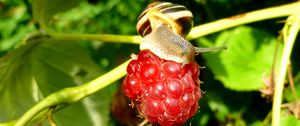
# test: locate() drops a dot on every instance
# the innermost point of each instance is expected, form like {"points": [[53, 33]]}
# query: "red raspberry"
{"points": [[164, 91]]}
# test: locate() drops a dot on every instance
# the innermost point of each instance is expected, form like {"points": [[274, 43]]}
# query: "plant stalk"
{"points": [[197, 31], [132, 39], [290, 32], [250, 17]]}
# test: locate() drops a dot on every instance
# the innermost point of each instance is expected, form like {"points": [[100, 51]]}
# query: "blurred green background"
{"points": [[222, 104]]}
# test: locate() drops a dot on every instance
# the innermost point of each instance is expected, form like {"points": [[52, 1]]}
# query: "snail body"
{"points": [[164, 43]]}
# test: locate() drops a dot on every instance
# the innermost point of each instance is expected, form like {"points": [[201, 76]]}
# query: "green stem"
{"points": [[197, 31], [290, 32], [131, 39], [259, 15], [74, 94]]}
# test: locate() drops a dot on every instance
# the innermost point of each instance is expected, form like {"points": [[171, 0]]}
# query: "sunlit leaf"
{"points": [[289, 121], [247, 61]]}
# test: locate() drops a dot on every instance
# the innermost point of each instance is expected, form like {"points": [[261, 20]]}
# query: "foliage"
{"points": [[39, 59], [243, 42]]}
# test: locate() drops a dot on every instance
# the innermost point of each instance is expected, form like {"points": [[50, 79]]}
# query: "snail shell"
{"points": [[178, 17]]}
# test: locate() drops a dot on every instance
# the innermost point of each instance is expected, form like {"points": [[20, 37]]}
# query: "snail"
{"points": [[163, 26]]}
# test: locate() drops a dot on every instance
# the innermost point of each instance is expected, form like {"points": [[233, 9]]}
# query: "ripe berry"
{"points": [[165, 92]]}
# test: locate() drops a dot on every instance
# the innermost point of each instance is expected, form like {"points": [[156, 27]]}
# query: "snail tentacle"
{"points": [[208, 49]]}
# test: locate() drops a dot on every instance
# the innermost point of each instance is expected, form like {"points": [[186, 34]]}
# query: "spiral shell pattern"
{"points": [[175, 12]]}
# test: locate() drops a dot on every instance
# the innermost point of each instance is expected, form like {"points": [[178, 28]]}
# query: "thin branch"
{"points": [[290, 32], [197, 31], [291, 82], [250, 17], [50, 116], [132, 39]]}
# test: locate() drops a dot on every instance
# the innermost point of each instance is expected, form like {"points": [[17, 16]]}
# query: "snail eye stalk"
{"points": [[201, 49]]}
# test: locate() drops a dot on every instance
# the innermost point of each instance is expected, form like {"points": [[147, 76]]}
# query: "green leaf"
{"points": [[289, 121], [247, 60], [42, 66], [44, 10], [63, 64], [17, 87]]}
